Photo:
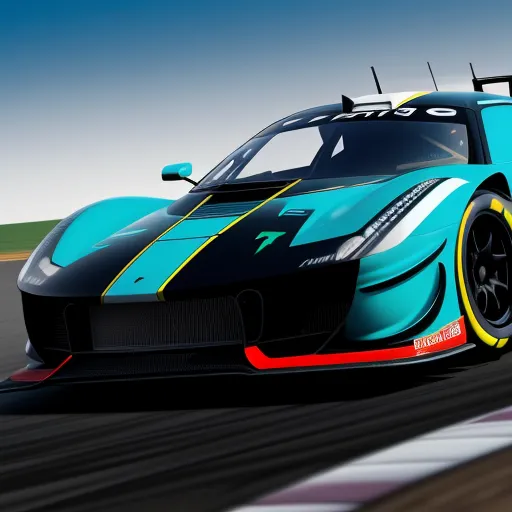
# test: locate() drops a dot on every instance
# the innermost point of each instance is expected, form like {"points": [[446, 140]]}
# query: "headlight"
{"points": [[35, 270], [39, 267], [372, 234]]}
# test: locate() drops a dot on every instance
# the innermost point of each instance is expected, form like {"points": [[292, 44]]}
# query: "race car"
{"points": [[374, 231]]}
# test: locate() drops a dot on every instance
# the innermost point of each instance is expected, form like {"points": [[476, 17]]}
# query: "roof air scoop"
{"points": [[346, 104]]}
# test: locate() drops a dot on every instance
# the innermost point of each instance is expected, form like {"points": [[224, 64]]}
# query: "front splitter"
{"points": [[56, 376]]}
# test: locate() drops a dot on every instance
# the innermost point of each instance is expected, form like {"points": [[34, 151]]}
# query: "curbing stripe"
{"points": [[366, 479]]}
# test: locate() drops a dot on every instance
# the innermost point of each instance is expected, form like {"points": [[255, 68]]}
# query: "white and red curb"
{"points": [[361, 481]]}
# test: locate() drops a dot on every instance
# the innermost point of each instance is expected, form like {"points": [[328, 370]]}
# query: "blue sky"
{"points": [[97, 96]]}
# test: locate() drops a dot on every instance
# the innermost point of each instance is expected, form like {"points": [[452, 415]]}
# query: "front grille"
{"points": [[224, 209], [177, 324]]}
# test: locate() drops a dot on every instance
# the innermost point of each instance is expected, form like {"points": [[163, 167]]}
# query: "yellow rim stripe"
{"points": [[508, 217], [484, 336], [160, 293], [502, 343], [496, 206], [413, 97], [185, 217]]}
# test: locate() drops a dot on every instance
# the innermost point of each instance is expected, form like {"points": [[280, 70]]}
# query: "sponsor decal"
{"points": [[442, 112], [269, 237], [403, 112], [317, 261], [451, 331]]}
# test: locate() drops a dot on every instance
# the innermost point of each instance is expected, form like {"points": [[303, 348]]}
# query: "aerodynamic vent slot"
{"points": [[224, 209], [367, 107]]}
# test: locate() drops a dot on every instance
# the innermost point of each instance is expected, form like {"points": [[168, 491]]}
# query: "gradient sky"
{"points": [[96, 96]]}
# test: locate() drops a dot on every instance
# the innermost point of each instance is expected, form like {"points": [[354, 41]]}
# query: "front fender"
{"points": [[100, 220]]}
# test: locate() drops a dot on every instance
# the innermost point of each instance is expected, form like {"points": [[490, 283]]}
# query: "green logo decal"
{"points": [[269, 238]]}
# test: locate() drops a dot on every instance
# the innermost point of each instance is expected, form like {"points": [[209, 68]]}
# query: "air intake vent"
{"points": [[179, 324], [367, 107], [224, 209]]}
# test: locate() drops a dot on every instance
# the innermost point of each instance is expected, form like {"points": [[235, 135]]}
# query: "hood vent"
{"points": [[224, 209]]}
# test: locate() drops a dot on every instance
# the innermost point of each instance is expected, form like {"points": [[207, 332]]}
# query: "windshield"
{"points": [[345, 147]]}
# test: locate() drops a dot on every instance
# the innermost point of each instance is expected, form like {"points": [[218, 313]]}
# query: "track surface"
{"points": [[198, 446]]}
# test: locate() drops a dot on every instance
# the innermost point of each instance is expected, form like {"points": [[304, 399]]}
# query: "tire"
{"points": [[483, 268]]}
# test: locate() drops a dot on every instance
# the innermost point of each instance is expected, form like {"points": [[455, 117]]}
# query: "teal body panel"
{"points": [[331, 216], [497, 122], [98, 222], [154, 266], [381, 267], [127, 232], [387, 312], [198, 228], [503, 99], [451, 210], [347, 210]]}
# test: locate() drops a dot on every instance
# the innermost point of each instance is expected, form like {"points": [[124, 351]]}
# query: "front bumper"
{"points": [[230, 360], [292, 314], [293, 323]]}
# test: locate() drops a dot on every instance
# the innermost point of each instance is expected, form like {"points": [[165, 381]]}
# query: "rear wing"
{"points": [[478, 83]]}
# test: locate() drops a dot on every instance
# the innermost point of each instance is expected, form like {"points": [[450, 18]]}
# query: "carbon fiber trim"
{"points": [[200, 362]]}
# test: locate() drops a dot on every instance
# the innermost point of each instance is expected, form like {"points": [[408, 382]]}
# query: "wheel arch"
{"points": [[496, 183]]}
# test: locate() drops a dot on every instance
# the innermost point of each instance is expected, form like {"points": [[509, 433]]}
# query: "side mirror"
{"points": [[177, 172]]}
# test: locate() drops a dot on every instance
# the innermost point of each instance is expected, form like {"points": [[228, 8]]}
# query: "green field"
{"points": [[23, 237]]}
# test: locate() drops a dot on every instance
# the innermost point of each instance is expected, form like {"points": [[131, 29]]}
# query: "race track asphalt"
{"points": [[207, 446]]}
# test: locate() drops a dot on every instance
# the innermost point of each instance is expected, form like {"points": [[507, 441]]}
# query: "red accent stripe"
{"points": [[421, 346], [36, 375]]}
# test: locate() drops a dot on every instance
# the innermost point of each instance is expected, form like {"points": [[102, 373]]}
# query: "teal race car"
{"points": [[375, 231]]}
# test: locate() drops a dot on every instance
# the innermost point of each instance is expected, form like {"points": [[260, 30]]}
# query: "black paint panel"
{"points": [[232, 256]]}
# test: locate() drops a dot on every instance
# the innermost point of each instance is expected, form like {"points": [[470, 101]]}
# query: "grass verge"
{"points": [[17, 241]]}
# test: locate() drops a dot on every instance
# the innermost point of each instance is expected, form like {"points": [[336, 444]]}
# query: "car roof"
{"points": [[411, 99], [461, 99]]}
